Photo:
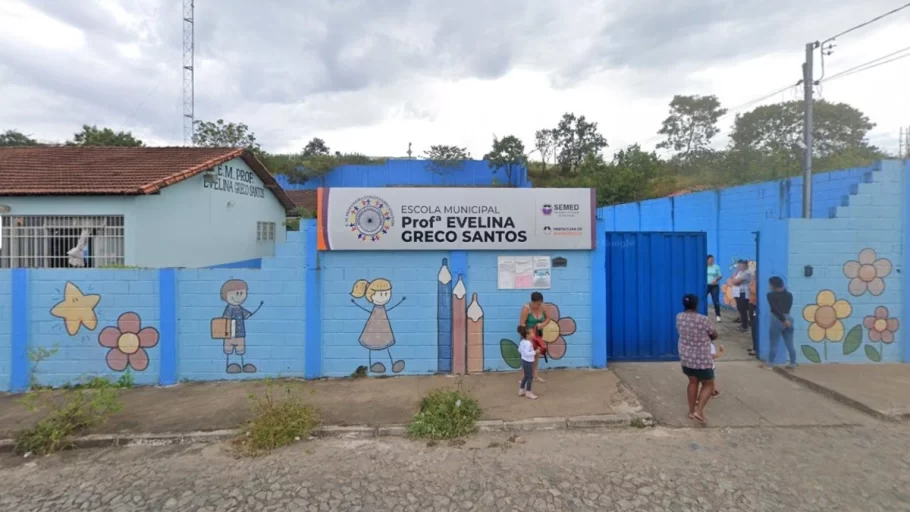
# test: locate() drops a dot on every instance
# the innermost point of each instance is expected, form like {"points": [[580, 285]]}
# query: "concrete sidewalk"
{"points": [[880, 390], [750, 397], [347, 402]]}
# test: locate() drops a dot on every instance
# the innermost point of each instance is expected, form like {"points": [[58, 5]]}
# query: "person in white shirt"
{"points": [[528, 354], [741, 282]]}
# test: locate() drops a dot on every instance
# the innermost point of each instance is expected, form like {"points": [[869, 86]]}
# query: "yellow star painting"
{"points": [[77, 309]]}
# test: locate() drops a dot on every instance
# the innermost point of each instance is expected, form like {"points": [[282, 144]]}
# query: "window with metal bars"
{"points": [[38, 241], [265, 231]]}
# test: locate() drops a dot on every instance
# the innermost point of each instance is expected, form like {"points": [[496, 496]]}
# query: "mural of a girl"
{"points": [[377, 333]]}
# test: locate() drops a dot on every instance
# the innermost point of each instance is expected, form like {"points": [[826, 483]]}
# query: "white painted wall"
{"points": [[188, 224]]}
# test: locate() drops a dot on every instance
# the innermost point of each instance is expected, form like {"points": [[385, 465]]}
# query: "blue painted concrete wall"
{"points": [[6, 324], [419, 305], [274, 340], [857, 260], [730, 217], [475, 173], [773, 260], [301, 313]]}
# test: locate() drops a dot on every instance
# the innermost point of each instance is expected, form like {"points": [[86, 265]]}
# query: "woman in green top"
{"points": [[533, 316], [714, 276]]}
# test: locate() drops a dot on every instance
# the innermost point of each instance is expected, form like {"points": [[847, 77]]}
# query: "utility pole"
{"points": [[409, 150], [808, 85], [189, 92]]}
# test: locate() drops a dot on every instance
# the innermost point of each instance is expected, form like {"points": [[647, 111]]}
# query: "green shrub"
{"points": [[69, 413], [277, 421], [445, 414]]}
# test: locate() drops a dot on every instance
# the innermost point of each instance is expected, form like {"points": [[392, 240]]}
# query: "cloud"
{"points": [[395, 70]]}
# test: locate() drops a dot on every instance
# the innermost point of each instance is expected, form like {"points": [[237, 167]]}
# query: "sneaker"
{"points": [[718, 319], [521, 392], [530, 395], [791, 366]]}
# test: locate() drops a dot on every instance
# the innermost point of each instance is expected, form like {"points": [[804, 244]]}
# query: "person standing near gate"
{"points": [[741, 284], [714, 276]]}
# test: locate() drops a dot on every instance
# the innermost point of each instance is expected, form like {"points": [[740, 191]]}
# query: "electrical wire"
{"points": [[870, 64], [861, 25]]}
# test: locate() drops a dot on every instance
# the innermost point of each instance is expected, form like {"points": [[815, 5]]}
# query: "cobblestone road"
{"points": [[637, 470]]}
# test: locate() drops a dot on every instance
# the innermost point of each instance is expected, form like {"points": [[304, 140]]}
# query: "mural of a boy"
{"points": [[231, 327]]}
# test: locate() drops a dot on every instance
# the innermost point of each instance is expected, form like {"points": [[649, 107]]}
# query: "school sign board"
{"points": [[465, 219]]}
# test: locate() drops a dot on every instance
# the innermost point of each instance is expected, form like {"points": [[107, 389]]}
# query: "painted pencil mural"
{"points": [[474, 336], [459, 328], [444, 318]]}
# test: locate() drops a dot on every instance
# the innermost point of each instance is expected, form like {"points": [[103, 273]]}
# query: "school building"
{"points": [[414, 280], [95, 207]]}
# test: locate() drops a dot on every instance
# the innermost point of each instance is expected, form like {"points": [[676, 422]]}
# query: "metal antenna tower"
{"points": [[189, 92]]}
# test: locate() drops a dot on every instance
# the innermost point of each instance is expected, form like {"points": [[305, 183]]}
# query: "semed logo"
{"points": [[547, 209], [370, 218]]}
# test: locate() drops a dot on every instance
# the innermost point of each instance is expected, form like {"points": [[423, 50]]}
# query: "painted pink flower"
{"points": [[867, 273], [555, 331], [881, 328], [127, 343]]}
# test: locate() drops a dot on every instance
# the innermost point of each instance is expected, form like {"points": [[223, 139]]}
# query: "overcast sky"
{"points": [[373, 75]]}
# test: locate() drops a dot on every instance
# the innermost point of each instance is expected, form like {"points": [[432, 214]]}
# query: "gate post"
{"points": [[599, 297]]}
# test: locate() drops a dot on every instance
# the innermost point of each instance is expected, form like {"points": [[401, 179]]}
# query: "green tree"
{"points": [[94, 136], [224, 135], [545, 144], [11, 138], [837, 128], [315, 147], [507, 155], [574, 139], [691, 125], [444, 158]]}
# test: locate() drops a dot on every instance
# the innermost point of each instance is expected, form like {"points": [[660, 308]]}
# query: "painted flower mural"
{"points": [[127, 343], [881, 327], [554, 334], [825, 317], [867, 273], [554, 331]]}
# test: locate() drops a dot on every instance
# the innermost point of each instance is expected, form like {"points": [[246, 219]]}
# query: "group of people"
{"points": [[697, 334]]}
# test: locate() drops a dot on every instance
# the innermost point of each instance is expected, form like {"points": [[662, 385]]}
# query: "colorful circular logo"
{"points": [[370, 217], [547, 209]]}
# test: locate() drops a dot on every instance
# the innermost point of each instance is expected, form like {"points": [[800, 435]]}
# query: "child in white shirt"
{"points": [[528, 352]]}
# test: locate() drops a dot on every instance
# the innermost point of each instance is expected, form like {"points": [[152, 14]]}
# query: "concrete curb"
{"points": [[639, 419], [836, 396]]}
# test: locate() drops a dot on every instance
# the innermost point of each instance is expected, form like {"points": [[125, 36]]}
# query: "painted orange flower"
{"points": [[867, 273], [881, 328], [729, 299], [554, 331], [127, 343], [825, 317]]}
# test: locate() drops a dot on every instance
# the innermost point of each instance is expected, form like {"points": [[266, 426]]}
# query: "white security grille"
{"points": [[36, 241], [265, 231]]}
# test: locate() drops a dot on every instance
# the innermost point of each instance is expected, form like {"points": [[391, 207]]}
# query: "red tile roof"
{"points": [[75, 170], [303, 198]]}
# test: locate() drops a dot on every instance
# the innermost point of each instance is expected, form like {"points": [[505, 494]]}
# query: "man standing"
{"points": [[741, 283], [714, 276]]}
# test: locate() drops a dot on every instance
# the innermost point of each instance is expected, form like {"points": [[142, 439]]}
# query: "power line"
{"points": [[861, 25], [874, 63]]}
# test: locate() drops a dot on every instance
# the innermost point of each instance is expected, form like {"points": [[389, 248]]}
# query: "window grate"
{"points": [[265, 231], [36, 241]]}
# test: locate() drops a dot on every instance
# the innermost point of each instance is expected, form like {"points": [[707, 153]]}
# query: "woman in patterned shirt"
{"points": [[695, 335]]}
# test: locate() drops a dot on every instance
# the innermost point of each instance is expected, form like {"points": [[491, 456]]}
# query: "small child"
{"points": [[528, 352]]}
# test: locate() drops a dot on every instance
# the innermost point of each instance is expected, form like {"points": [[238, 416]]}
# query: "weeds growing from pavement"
{"points": [[70, 413], [279, 419], [445, 414]]}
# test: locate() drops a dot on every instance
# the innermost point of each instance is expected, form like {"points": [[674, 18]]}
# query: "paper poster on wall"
{"points": [[542, 272], [523, 272], [506, 272]]}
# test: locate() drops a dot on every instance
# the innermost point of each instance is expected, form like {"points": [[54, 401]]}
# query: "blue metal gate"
{"points": [[647, 276]]}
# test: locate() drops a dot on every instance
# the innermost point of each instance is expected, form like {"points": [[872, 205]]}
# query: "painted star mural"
{"points": [[77, 309]]}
